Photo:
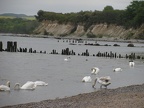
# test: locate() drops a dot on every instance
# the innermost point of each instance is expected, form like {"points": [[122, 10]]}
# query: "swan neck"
{"points": [[8, 84], [94, 83], [17, 85]]}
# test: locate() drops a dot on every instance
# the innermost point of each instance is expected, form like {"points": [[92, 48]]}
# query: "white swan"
{"points": [[103, 81], [5, 87], [27, 86], [67, 58], [40, 83], [95, 70], [87, 79], [131, 63], [117, 69]]}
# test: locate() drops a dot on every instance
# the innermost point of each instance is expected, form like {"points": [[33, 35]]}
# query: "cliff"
{"points": [[97, 30]]}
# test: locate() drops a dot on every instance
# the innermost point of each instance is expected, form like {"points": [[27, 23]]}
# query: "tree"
{"points": [[131, 17], [135, 14], [17, 25], [40, 16], [108, 8]]}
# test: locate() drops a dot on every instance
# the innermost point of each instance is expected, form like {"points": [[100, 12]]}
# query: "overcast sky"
{"points": [[31, 7]]}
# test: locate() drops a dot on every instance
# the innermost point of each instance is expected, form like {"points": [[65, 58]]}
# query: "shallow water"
{"points": [[63, 78]]}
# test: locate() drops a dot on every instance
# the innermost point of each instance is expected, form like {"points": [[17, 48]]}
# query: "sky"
{"points": [[31, 7]]}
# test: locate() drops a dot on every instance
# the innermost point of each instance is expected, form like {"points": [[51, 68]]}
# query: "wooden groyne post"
{"points": [[11, 46], [15, 46], [1, 46], [67, 52]]}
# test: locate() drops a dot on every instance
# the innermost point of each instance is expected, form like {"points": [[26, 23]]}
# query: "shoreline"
{"points": [[75, 37], [122, 97]]}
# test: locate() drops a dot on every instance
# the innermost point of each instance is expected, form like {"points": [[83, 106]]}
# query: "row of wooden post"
{"points": [[74, 41], [110, 54], [12, 47], [86, 53], [67, 52], [30, 50]]}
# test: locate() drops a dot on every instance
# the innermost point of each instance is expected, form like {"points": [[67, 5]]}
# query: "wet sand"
{"points": [[123, 97]]}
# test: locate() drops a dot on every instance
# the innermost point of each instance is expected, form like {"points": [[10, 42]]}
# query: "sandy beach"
{"points": [[123, 97]]}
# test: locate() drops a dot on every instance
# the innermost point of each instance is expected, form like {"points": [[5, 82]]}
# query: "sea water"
{"points": [[63, 78]]}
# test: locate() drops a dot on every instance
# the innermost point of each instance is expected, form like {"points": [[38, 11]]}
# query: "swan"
{"points": [[87, 79], [67, 58], [131, 63], [95, 70], [103, 81], [5, 87], [27, 86], [117, 69], [40, 83]]}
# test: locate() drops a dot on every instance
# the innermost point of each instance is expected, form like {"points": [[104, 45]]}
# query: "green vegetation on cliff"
{"points": [[17, 25], [131, 17]]}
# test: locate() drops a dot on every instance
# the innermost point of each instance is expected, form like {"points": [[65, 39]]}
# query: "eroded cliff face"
{"points": [[53, 28], [79, 30], [97, 30]]}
